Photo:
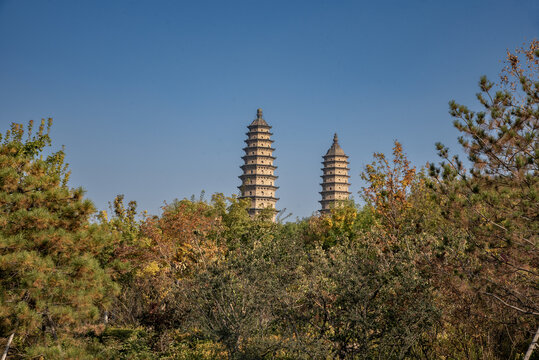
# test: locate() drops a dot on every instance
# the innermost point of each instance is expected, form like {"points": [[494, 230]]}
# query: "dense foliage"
{"points": [[439, 262], [52, 285]]}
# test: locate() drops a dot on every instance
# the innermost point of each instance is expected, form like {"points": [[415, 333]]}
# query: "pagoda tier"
{"points": [[250, 176], [251, 148], [265, 133], [256, 156], [256, 186], [334, 191], [258, 178], [255, 167], [250, 183], [327, 164], [262, 197], [328, 202], [335, 155], [328, 171], [335, 183], [335, 177], [258, 127], [259, 139]]}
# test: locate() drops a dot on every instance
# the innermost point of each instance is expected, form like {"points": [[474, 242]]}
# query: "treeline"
{"points": [[440, 263]]}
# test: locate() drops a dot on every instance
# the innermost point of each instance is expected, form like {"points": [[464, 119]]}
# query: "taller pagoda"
{"points": [[335, 177], [258, 179]]}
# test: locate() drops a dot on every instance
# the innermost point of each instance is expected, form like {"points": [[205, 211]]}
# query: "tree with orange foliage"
{"points": [[171, 247], [389, 185]]}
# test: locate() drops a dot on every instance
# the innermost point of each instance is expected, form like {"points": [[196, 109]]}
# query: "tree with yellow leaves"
{"points": [[389, 185]]}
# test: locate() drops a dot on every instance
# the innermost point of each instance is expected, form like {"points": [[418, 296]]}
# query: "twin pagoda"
{"points": [[334, 177], [258, 178]]}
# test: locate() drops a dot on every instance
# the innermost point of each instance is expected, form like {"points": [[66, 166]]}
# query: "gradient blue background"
{"points": [[152, 98]]}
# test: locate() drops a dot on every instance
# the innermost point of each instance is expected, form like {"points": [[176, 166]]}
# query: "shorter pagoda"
{"points": [[335, 177]]}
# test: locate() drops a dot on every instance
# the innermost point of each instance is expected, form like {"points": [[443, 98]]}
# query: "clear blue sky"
{"points": [[152, 98]]}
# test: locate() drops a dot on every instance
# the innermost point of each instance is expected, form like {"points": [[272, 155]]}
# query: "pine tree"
{"points": [[52, 284], [496, 201]]}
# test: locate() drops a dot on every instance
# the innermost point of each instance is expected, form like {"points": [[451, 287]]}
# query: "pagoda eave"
{"points": [[340, 175], [326, 163], [247, 148], [258, 156], [273, 177], [245, 166], [334, 191], [328, 156], [251, 186], [259, 132], [254, 211], [259, 126], [258, 197], [259, 139], [335, 168], [331, 201]]}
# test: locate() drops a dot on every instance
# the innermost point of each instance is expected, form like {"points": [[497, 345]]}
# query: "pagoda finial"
{"points": [[259, 113], [335, 138]]}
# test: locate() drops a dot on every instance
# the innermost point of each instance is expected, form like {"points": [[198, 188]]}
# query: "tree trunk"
{"points": [[532, 345], [7, 346]]}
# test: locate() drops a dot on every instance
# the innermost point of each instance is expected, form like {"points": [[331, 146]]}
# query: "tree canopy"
{"points": [[437, 262]]}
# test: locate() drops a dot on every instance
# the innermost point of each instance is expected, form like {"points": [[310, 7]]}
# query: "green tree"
{"points": [[237, 225], [238, 301], [122, 256], [52, 284], [360, 303], [344, 222]]}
